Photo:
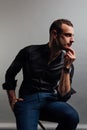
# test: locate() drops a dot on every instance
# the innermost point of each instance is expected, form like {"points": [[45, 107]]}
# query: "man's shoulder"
{"points": [[31, 48]]}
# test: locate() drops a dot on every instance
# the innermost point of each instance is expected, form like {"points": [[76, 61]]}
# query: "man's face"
{"points": [[66, 38]]}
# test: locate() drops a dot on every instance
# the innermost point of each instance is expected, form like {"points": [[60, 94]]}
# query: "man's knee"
{"points": [[72, 118]]}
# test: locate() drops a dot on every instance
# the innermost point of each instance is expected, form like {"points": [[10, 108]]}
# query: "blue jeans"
{"points": [[44, 106]]}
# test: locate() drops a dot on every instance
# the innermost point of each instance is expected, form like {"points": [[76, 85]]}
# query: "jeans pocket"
{"points": [[18, 105]]}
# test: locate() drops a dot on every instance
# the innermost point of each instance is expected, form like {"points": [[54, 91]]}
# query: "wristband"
{"points": [[66, 70]]}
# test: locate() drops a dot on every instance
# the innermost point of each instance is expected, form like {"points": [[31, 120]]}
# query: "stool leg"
{"points": [[41, 125]]}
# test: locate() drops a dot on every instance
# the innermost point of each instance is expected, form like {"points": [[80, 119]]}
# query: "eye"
{"points": [[68, 34]]}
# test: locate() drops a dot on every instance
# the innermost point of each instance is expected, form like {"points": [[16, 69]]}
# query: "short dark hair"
{"points": [[57, 25]]}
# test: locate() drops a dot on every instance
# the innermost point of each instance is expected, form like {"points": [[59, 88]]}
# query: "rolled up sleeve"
{"points": [[10, 82], [67, 96], [9, 85]]}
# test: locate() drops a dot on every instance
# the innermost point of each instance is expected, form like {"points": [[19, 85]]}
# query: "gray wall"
{"points": [[25, 22]]}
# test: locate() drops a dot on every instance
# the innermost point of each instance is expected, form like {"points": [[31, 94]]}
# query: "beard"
{"points": [[58, 46], [61, 45]]}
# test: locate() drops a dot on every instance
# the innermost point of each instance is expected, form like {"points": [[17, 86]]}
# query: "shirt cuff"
{"points": [[67, 96], [9, 86]]}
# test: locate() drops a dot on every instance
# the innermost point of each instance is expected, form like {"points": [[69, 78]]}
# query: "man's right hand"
{"points": [[12, 98], [12, 103]]}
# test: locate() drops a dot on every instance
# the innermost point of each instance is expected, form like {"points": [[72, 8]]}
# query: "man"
{"points": [[47, 77]]}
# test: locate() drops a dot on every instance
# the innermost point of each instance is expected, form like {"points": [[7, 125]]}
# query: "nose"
{"points": [[72, 39]]}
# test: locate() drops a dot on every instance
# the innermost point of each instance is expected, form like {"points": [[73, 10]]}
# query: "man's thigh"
{"points": [[55, 111], [27, 114]]}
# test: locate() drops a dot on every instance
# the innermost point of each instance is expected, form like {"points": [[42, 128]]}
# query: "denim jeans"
{"points": [[44, 106]]}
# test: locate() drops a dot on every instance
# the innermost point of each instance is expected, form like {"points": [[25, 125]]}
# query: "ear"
{"points": [[54, 33]]}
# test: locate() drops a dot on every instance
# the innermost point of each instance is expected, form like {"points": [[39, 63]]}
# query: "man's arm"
{"points": [[64, 84]]}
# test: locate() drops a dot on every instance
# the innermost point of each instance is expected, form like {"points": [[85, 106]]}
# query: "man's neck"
{"points": [[54, 51]]}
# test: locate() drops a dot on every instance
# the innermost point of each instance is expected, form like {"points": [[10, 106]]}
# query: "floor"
{"points": [[47, 125]]}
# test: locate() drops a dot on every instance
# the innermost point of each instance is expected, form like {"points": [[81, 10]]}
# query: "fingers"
{"points": [[69, 57], [69, 49], [71, 53], [19, 99], [14, 101]]}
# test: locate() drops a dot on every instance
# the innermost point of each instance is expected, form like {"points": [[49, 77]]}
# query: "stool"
{"points": [[41, 125]]}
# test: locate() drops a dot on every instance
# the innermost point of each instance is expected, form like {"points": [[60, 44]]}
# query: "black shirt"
{"points": [[38, 75]]}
